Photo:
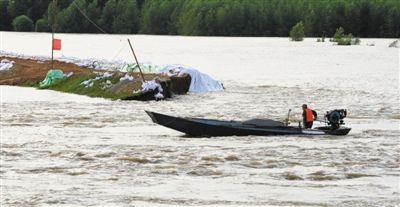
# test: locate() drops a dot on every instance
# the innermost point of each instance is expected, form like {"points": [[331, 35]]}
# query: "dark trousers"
{"points": [[308, 125]]}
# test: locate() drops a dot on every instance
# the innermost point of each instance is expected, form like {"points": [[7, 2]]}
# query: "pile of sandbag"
{"points": [[90, 82], [6, 64], [153, 85]]}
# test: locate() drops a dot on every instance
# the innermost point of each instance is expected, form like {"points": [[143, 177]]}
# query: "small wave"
{"points": [[357, 175], [168, 150], [20, 124], [291, 176], [165, 172], [379, 132], [376, 202], [165, 167], [177, 201], [321, 176], [232, 158], [254, 164], [45, 170], [134, 159], [208, 164], [66, 154], [85, 158], [77, 173], [12, 145], [11, 154], [212, 159], [105, 155], [205, 172], [395, 116]]}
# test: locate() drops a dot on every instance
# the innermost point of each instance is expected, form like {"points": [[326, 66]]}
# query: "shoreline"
{"points": [[29, 72]]}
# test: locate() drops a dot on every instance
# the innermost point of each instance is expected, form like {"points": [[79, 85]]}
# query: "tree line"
{"points": [[363, 18]]}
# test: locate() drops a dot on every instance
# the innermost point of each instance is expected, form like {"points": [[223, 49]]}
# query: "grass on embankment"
{"points": [[73, 85]]}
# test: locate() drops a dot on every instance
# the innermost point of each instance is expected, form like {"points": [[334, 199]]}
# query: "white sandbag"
{"points": [[6, 64]]}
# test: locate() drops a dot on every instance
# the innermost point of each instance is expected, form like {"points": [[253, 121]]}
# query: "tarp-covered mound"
{"points": [[200, 82], [51, 78]]}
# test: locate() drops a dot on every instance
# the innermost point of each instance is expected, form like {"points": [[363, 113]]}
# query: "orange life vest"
{"points": [[309, 115]]}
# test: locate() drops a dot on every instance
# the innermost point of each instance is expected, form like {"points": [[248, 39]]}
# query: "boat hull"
{"points": [[213, 128]]}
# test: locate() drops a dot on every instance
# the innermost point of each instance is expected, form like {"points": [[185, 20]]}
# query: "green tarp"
{"points": [[146, 68], [52, 77]]}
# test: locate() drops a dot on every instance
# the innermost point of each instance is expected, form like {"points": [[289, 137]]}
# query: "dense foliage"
{"points": [[297, 32], [363, 18], [344, 39], [42, 26], [22, 24]]}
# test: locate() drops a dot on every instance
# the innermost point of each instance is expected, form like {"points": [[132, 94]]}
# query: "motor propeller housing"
{"points": [[335, 117]]}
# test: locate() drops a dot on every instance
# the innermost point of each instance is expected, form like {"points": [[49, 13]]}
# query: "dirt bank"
{"points": [[28, 72]]}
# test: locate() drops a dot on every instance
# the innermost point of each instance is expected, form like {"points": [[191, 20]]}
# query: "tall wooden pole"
{"points": [[137, 62]]}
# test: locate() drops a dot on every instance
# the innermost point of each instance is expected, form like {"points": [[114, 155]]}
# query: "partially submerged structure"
{"points": [[123, 84]]}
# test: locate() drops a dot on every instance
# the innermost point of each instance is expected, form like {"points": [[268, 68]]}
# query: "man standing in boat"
{"points": [[309, 116]]}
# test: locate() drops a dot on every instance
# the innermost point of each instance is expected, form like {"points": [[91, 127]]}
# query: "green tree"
{"points": [[270, 19], [337, 15], [297, 32], [38, 8], [289, 13], [366, 19], [127, 18], [18, 7], [22, 23], [392, 24], [189, 19], [71, 20], [52, 11], [42, 25], [93, 12], [108, 14], [62, 4], [316, 21], [158, 16], [344, 39], [5, 19], [339, 34]]}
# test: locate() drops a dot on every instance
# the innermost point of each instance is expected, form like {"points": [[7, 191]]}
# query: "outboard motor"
{"points": [[335, 117]]}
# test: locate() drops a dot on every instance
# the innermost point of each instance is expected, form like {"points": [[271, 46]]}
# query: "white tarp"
{"points": [[200, 82], [6, 65]]}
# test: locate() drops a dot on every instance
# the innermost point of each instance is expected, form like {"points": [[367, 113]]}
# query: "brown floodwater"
{"points": [[62, 149]]}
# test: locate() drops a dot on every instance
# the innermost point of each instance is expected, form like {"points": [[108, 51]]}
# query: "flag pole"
{"points": [[52, 46], [53, 14]]}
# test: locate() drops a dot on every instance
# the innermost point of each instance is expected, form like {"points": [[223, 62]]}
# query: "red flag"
{"points": [[56, 44]]}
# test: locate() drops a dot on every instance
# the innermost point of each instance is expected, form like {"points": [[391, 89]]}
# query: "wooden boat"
{"points": [[196, 127]]}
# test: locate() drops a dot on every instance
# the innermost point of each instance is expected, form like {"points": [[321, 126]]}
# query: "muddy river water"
{"points": [[67, 150]]}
